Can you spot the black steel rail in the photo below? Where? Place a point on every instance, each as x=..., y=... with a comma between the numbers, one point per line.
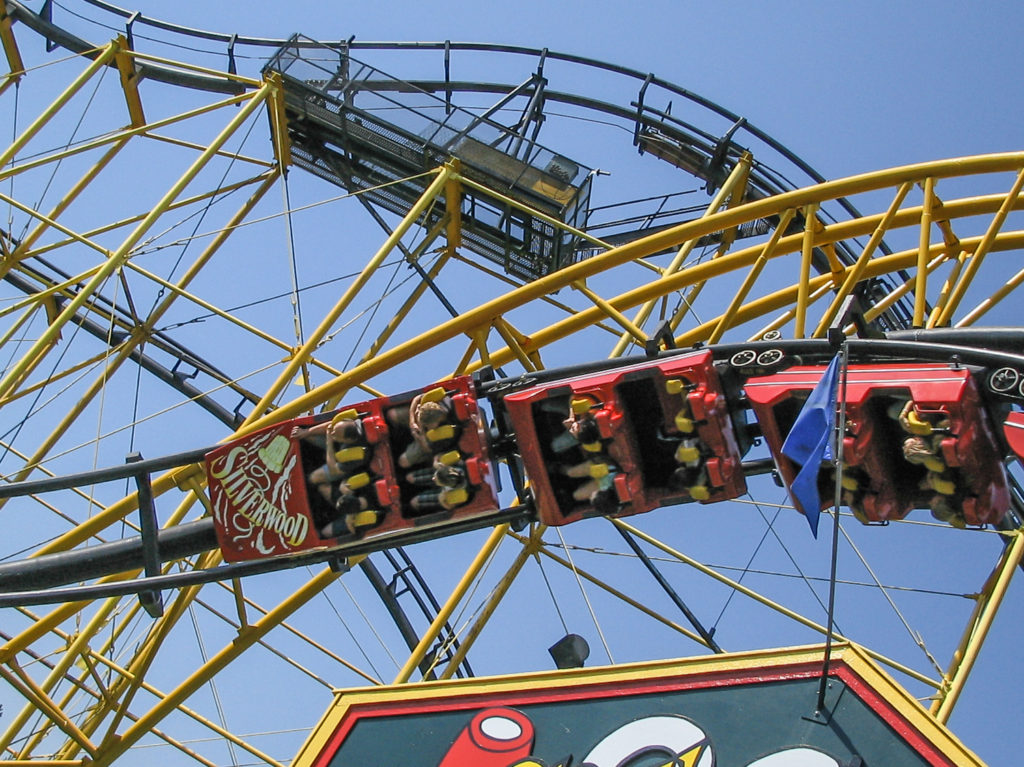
x=22, y=582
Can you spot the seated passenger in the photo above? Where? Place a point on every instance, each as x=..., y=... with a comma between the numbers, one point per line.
x=448, y=483
x=581, y=434
x=926, y=451
x=353, y=453
x=597, y=477
x=587, y=459
x=444, y=472
x=425, y=418
x=353, y=514
x=944, y=511
x=438, y=499
x=912, y=421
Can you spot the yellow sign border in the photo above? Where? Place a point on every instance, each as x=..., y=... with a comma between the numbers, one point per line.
x=774, y=661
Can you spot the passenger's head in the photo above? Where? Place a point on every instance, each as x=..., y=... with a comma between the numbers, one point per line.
x=450, y=476
x=431, y=415
x=605, y=501
x=348, y=431
x=347, y=503
x=586, y=430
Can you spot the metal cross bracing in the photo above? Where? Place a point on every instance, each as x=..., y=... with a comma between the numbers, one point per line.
x=98, y=677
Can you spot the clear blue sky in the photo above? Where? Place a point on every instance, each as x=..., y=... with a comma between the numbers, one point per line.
x=850, y=88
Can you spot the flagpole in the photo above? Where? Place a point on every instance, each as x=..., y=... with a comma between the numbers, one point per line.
x=837, y=463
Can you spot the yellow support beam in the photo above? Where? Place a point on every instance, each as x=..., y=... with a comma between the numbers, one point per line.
x=118, y=745
x=129, y=82
x=279, y=123
x=75, y=648
x=25, y=246
x=998, y=295
x=728, y=236
x=138, y=335
x=417, y=292
x=806, y=254
x=853, y=277
x=766, y=255
x=50, y=112
x=655, y=243
x=478, y=563
x=614, y=314
x=977, y=631
x=78, y=644
x=87, y=146
x=38, y=699
x=177, y=205
x=302, y=354
x=453, y=207
x=519, y=343
x=14, y=60
x=737, y=179
x=921, y=274
x=117, y=258
x=468, y=639
x=960, y=289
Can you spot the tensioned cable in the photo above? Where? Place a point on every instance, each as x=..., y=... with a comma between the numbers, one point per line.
x=14, y=138
x=213, y=686
x=480, y=266
x=387, y=291
x=260, y=301
x=301, y=208
x=554, y=601
x=915, y=635
x=157, y=414
x=779, y=574
x=293, y=267
x=348, y=629
x=373, y=630
x=31, y=409
x=586, y=599
x=744, y=570
x=35, y=408
x=289, y=628
x=200, y=215
x=457, y=624
x=330, y=336
x=771, y=529
x=217, y=737
x=905, y=521
x=101, y=405
x=56, y=165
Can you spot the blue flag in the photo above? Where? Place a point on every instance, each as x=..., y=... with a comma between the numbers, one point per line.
x=807, y=444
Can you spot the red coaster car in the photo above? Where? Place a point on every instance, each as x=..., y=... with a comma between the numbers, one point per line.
x=916, y=437
x=627, y=440
x=370, y=469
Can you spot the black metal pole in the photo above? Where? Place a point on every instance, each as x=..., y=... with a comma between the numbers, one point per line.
x=704, y=633
x=837, y=460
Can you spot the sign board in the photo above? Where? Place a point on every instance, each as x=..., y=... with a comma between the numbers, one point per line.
x=737, y=710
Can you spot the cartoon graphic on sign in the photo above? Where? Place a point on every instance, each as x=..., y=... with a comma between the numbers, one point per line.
x=675, y=738
x=797, y=757
x=495, y=737
x=504, y=737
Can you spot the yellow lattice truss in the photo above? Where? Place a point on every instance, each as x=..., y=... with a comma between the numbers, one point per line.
x=89, y=673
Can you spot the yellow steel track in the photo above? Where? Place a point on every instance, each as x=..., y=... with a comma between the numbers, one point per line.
x=96, y=679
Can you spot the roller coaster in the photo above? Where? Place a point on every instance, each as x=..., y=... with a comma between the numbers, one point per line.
x=158, y=303
x=596, y=440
